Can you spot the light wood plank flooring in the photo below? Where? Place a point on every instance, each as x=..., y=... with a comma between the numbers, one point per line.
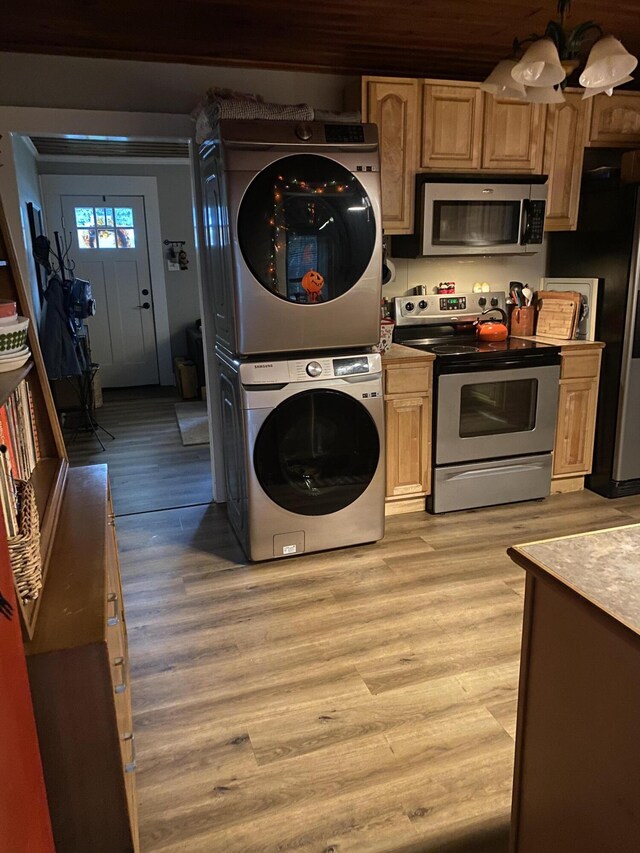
x=149, y=467
x=356, y=701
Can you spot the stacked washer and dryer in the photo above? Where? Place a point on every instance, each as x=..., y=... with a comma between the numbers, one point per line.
x=293, y=249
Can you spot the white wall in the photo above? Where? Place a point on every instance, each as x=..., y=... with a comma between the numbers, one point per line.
x=28, y=191
x=497, y=271
x=176, y=221
x=32, y=80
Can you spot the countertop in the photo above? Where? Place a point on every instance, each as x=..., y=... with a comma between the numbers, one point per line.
x=603, y=567
x=560, y=342
x=398, y=352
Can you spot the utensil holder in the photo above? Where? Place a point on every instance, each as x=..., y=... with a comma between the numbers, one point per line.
x=522, y=321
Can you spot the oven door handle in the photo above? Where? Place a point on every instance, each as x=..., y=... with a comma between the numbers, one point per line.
x=480, y=364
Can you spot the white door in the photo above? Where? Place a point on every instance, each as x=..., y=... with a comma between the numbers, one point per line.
x=108, y=236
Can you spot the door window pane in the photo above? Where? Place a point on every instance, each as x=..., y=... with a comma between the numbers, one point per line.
x=87, y=238
x=317, y=452
x=124, y=217
x=126, y=238
x=475, y=223
x=496, y=408
x=106, y=239
x=306, y=229
x=114, y=228
x=84, y=217
x=104, y=217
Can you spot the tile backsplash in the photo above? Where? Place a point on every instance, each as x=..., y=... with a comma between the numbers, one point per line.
x=496, y=270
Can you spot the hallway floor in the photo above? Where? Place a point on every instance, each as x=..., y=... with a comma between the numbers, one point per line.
x=149, y=467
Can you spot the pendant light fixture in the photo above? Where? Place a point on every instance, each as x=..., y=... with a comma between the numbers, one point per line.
x=538, y=73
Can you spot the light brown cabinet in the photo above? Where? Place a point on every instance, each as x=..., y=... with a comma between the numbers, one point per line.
x=464, y=128
x=408, y=376
x=513, y=135
x=393, y=105
x=452, y=126
x=564, y=144
x=615, y=120
x=80, y=682
x=577, y=407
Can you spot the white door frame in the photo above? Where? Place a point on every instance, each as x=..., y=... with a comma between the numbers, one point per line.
x=54, y=186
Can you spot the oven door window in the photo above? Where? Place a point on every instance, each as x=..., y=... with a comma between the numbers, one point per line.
x=476, y=223
x=317, y=452
x=306, y=229
x=497, y=408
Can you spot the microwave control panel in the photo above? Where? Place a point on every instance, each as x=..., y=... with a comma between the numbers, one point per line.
x=535, y=222
x=453, y=303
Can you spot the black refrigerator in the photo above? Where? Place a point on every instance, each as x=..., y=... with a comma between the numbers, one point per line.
x=606, y=246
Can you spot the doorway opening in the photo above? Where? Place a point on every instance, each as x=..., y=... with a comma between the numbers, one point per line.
x=119, y=206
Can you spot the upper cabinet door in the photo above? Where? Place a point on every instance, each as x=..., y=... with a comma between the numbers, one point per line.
x=563, y=157
x=615, y=120
x=513, y=135
x=393, y=105
x=451, y=126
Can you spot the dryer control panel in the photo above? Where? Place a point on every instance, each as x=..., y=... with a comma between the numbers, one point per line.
x=317, y=369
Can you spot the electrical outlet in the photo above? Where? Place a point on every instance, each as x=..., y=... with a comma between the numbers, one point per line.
x=173, y=266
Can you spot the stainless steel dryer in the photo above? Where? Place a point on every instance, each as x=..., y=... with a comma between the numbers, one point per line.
x=293, y=235
x=304, y=452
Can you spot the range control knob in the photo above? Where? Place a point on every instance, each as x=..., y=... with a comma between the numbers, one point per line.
x=494, y=302
x=314, y=368
x=303, y=132
x=422, y=304
x=409, y=306
x=482, y=301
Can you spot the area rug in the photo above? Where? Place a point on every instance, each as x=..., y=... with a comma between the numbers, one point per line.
x=193, y=422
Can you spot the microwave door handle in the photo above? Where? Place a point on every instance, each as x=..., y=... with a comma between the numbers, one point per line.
x=526, y=222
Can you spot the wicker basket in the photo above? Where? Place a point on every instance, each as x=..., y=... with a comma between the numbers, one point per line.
x=24, y=549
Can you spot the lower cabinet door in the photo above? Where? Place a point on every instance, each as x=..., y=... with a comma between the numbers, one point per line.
x=408, y=423
x=573, y=451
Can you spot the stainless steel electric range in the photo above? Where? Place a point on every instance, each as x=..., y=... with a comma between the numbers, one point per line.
x=495, y=403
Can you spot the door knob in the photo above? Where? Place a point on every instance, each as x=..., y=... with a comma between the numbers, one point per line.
x=144, y=305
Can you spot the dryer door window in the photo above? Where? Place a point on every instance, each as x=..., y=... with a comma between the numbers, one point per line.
x=306, y=229
x=317, y=452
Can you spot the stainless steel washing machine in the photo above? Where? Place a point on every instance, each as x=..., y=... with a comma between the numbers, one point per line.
x=293, y=235
x=304, y=452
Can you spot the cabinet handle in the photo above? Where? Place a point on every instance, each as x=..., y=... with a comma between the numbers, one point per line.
x=112, y=598
x=120, y=688
x=131, y=766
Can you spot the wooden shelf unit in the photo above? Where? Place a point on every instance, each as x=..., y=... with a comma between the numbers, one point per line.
x=49, y=476
x=76, y=637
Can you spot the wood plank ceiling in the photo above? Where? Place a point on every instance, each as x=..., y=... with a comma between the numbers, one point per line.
x=451, y=39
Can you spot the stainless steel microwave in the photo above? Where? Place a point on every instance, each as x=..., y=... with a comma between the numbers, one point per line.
x=475, y=215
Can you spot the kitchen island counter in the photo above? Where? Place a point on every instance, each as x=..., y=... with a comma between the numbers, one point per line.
x=603, y=567
x=577, y=770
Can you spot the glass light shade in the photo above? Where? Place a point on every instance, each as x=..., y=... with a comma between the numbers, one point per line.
x=608, y=62
x=608, y=90
x=540, y=66
x=500, y=82
x=544, y=95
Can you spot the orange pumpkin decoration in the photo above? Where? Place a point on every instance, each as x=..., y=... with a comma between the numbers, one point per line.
x=313, y=282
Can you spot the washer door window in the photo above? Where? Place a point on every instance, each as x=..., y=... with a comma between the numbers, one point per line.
x=306, y=229
x=317, y=452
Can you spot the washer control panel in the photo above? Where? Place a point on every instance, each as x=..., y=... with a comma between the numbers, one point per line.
x=309, y=369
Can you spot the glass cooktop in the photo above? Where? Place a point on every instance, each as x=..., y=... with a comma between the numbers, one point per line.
x=461, y=348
